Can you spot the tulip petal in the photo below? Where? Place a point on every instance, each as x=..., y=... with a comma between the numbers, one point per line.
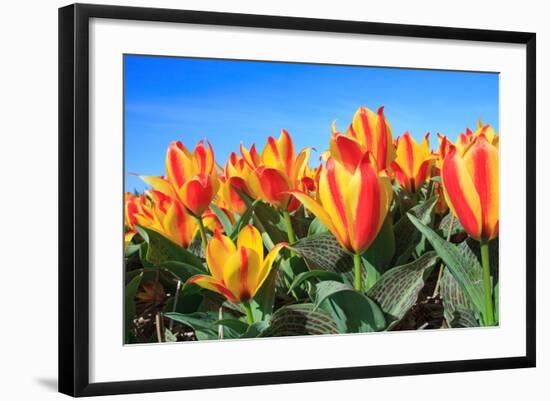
x=317, y=209
x=250, y=237
x=483, y=166
x=268, y=263
x=422, y=174
x=275, y=187
x=179, y=164
x=346, y=150
x=240, y=273
x=286, y=152
x=198, y=192
x=365, y=205
x=178, y=225
x=218, y=251
x=364, y=127
x=212, y=284
x=159, y=184
x=461, y=194
x=332, y=184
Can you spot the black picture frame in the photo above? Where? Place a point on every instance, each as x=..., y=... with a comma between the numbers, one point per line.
x=74, y=198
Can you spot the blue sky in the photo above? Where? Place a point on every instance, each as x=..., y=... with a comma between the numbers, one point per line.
x=229, y=102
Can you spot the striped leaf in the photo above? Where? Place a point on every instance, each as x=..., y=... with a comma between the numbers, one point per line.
x=322, y=251
x=462, y=264
x=396, y=291
x=299, y=320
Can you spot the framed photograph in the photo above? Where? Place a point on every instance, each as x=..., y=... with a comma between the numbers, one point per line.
x=251, y=199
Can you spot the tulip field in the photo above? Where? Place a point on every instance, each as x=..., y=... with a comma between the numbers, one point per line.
x=374, y=232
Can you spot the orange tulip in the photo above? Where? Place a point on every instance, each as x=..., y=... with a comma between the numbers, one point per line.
x=373, y=133
x=237, y=271
x=164, y=215
x=279, y=171
x=190, y=177
x=470, y=181
x=412, y=167
x=352, y=201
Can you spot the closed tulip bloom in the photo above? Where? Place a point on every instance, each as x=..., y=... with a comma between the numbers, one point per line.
x=352, y=201
x=471, y=185
x=466, y=139
x=237, y=271
x=412, y=166
x=373, y=134
x=190, y=177
x=236, y=173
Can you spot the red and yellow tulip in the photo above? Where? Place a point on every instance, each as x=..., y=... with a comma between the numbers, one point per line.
x=165, y=215
x=237, y=271
x=470, y=181
x=412, y=167
x=279, y=171
x=352, y=201
x=373, y=133
x=465, y=139
x=190, y=177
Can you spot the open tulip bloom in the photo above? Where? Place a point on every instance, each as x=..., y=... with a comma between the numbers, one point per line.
x=237, y=271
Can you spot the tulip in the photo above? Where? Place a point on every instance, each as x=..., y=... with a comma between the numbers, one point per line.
x=236, y=173
x=465, y=140
x=164, y=215
x=470, y=181
x=280, y=171
x=445, y=146
x=353, y=201
x=237, y=271
x=212, y=222
x=190, y=178
x=373, y=134
x=413, y=164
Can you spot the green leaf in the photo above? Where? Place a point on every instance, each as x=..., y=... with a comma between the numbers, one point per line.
x=464, y=266
x=323, y=252
x=272, y=222
x=262, y=304
x=203, y=323
x=464, y=318
x=407, y=236
x=299, y=320
x=256, y=329
x=129, y=304
x=222, y=217
x=382, y=250
x=316, y=227
x=452, y=297
x=238, y=325
x=445, y=223
x=181, y=270
x=244, y=220
x=290, y=269
x=397, y=290
x=353, y=312
x=318, y=274
x=161, y=249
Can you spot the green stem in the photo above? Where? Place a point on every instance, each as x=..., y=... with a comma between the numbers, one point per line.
x=289, y=229
x=203, y=232
x=357, y=265
x=489, y=313
x=249, y=314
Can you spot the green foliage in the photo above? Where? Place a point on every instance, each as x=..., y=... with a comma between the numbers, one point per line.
x=407, y=237
x=397, y=290
x=461, y=262
x=301, y=319
x=161, y=249
x=353, y=312
x=129, y=305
